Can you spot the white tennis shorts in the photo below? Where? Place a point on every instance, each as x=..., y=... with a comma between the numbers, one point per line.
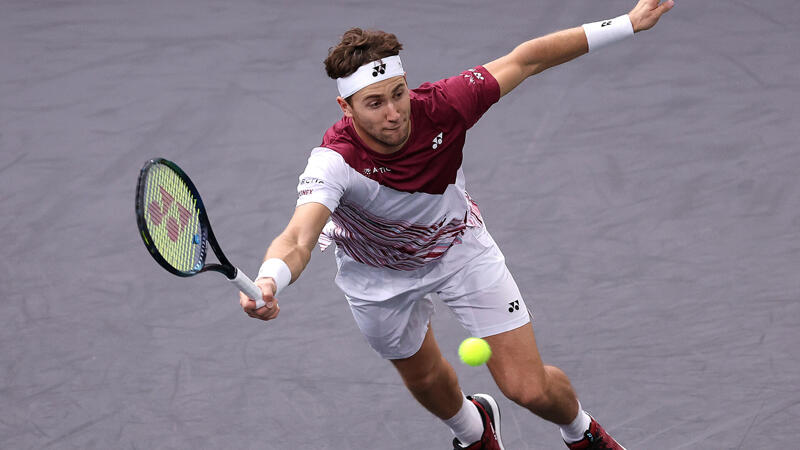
x=393, y=308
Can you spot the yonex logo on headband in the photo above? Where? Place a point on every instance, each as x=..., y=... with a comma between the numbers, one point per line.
x=370, y=73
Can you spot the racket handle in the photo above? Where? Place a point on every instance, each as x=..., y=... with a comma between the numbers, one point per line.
x=246, y=285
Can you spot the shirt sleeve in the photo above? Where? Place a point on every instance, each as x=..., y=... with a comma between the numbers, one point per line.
x=470, y=93
x=324, y=180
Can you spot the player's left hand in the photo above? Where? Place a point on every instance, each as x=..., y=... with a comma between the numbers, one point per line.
x=647, y=12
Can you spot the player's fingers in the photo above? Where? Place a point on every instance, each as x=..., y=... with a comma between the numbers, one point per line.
x=248, y=305
x=252, y=311
x=265, y=313
x=647, y=5
x=268, y=298
x=273, y=312
x=243, y=301
x=666, y=6
x=268, y=294
x=267, y=286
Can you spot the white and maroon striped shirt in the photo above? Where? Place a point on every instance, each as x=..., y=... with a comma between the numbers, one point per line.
x=405, y=209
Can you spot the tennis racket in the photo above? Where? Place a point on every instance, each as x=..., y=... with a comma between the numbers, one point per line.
x=175, y=229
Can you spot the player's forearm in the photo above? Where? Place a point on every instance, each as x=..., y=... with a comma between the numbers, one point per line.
x=292, y=251
x=544, y=52
x=536, y=55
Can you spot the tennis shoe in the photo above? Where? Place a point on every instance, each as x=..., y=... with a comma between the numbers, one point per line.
x=595, y=438
x=490, y=414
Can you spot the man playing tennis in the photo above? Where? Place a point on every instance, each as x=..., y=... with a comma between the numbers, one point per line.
x=386, y=186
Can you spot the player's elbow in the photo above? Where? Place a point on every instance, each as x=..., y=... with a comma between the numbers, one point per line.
x=532, y=58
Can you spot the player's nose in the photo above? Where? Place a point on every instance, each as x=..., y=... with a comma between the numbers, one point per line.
x=392, y=112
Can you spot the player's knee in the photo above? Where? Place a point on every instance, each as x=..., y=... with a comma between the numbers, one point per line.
x=529, y=395
x=433, y=378
x=420, y=382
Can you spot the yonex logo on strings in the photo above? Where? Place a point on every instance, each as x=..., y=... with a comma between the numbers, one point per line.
x=513, y=306
x=160, y=209
x=379, y=69
x=437, y=141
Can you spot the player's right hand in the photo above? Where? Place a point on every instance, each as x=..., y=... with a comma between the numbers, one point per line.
x=267, y=312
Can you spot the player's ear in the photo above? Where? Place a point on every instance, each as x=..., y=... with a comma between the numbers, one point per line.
x=347, y=110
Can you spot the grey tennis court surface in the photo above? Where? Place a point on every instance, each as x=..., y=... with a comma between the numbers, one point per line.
x=646, y=198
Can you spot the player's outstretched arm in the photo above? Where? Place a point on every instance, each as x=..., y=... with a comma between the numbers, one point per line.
x=293, y=246
x=536, y=55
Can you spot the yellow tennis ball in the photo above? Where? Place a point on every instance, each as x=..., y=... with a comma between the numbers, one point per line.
x=474, y=351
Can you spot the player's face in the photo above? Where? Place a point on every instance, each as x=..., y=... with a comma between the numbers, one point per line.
x=381, y=113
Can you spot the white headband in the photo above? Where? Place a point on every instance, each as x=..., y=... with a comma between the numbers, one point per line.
x=370, y=73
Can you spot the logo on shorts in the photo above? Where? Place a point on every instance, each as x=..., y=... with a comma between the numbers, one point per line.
x=513, y=306
x=379, y=69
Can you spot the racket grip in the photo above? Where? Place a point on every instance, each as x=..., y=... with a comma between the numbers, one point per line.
x=246, y=285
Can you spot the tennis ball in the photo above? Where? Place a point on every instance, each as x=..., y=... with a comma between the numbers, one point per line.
x=474, y=351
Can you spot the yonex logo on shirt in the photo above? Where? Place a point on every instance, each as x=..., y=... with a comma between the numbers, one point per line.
x=471, y=74
x=437, y=141
x=513, y=306
x=379, y=69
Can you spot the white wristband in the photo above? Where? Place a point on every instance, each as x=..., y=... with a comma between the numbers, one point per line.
x=600, y=34
x=276, y=269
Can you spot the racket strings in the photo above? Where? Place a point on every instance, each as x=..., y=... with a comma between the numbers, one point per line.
x=172, y=219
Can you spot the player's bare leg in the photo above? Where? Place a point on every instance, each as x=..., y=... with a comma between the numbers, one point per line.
x=475, y=421
x=520, y=374
x=544, y=390
x=431, y=379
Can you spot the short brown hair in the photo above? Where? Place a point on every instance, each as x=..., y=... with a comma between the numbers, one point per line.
x=358, y=47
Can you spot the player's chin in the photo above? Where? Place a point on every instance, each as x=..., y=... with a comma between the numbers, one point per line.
x=395, y=137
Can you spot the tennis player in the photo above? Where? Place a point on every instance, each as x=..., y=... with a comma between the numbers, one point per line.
x=386, y=186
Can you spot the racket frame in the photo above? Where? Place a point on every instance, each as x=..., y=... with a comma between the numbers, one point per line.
x=206, y=235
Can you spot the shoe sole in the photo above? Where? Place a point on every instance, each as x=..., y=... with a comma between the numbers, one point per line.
x=495, y=413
